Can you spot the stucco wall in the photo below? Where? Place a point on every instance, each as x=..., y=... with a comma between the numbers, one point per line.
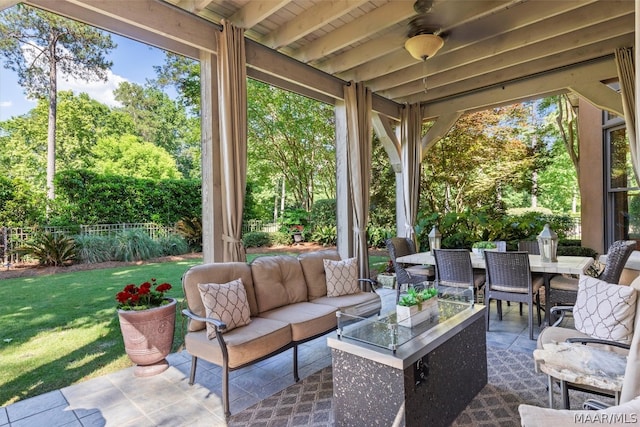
x=591, y=176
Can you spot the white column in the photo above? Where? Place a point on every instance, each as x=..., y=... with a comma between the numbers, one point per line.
x=210, y=147
x=344, y=210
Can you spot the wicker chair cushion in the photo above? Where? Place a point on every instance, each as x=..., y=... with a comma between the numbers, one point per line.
x=226, y=302
x=605, y=310
x=342, y=277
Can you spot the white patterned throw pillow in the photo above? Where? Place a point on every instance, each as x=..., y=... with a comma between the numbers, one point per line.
x=226, y=302
x=342, y=277
x=605, y=310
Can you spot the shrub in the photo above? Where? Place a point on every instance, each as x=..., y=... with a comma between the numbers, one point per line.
x=280, y=238
x=135, y=245
x=326, y=235
x=191, y=230
x=256, y=239
x=323, y=213
x=576, y=251
x=92, y=249
x=50, y=249
x=173, y=245
x=377, y=236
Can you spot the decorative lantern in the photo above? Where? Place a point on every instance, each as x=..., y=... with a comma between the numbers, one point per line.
x=435, y=238
x=548, y=243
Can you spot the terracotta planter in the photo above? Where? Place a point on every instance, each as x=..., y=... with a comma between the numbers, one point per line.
x=148, y=337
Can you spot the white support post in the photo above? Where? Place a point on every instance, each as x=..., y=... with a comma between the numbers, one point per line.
x=344, y=210
x=210, y=147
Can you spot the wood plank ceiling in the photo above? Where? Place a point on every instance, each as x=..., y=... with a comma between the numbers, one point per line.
x=490, y=46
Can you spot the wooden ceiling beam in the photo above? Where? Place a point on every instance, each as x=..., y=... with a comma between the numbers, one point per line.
x=567, y=47
x=255, y=12
x=366, y=26
x=557, y=81
x=308, y=21
x=601, y=96
x=556, y=26
x=110, y=21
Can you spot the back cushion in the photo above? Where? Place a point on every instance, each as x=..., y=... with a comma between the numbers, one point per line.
x=278, y=281
x=313, y=269
x=215, y=273
x=605, y=310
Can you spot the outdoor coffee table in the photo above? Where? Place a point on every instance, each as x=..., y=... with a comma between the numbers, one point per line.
x=426, y=375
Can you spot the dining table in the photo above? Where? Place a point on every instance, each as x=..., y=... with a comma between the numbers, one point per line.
x=564, y=265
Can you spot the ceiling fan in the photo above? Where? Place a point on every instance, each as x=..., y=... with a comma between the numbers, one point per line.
x=423, y=41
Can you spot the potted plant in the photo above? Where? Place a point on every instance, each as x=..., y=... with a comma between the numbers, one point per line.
x=478, y=248
x=387, y=278
x=147, y=321
x=417, y=306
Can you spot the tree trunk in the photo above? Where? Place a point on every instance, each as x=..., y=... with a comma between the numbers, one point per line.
x=51, y=131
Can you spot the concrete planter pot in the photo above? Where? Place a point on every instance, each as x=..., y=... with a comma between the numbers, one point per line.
x=416, y=314
x=148, y=337
x=387, y=280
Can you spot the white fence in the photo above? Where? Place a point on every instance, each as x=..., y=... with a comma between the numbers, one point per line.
x=258, y=225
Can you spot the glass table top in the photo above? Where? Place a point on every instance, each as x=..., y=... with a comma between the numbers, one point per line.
x=384, y=331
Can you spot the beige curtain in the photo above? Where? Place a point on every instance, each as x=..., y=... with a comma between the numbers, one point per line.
x=627, y=77
x=358, y=106
x=411, y=148
x=232, y=83
x=631, y=381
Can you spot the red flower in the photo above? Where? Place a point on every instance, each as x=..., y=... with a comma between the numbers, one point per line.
x=163, y=288
x=142, y=297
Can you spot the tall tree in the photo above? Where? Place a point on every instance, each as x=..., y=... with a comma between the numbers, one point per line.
x=36, y=44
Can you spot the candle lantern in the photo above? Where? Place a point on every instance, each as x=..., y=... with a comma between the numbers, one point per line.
x=548, y=244
x=435, y=238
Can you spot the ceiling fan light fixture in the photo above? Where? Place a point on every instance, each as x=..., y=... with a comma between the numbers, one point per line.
x=423, y=46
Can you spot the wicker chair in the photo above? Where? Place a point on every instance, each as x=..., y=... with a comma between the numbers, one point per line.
x=411, y=275
x=530, y=246
x=563, y=290
x=454, y=269
x=509, y=279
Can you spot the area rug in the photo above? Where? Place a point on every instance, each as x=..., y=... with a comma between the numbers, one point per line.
x=512, y=381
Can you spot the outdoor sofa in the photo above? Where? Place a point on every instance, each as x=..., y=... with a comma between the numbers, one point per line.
x=242, y=313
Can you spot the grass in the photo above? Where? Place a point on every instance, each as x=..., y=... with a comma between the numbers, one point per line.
x=61, y=329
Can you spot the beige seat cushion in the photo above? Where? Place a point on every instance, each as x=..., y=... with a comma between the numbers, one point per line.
x=244, y=344
x=359, y=304
x=306, y=319
x=621, y=415
x=564, y=283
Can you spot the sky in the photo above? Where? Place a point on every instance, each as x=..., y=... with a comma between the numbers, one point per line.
x=132, y=61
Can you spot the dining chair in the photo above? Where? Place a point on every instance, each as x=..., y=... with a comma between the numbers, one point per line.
x=454, y=269
x=530, y=246
x=509, y=279
x=410, y=275
x=563, y=290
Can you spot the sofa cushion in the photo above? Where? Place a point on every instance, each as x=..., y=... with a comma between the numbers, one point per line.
x=605, y=310
x=306, y=319
x=278, y=281
x=313, y=269
x=215, y=273
x=226, y=302
x=244, y=344
x=342, y=277
x=360, y=304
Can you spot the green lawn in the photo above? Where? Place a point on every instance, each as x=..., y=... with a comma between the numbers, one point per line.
x=60, y=329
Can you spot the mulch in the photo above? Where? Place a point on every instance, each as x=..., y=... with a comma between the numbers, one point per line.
x=33, y=269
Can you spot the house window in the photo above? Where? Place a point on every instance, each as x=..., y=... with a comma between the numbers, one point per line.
x=623, y=193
